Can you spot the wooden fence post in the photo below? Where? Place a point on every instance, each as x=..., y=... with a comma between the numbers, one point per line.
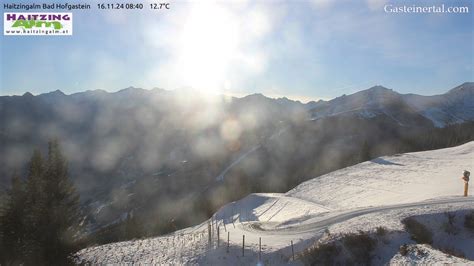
x=228, y=236
x=218, y=237
x=243, y=245
x=232, y=217
x=209, y=233
x=260, y=249
x=292, y=250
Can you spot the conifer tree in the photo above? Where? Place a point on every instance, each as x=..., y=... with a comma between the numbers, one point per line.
x=364, y=153
x=40, y=222
x=12, y=223
x=2, y=215
x=35, y=208
x=62, y=205
x=132, y=227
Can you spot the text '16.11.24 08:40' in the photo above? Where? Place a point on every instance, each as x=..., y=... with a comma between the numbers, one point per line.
x=154, y=6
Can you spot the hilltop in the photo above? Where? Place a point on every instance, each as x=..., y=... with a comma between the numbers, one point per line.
x=377, y=193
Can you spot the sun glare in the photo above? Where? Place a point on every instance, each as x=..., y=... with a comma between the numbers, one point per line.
x=207, y=45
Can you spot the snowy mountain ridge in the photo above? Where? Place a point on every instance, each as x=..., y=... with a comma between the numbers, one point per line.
x=455, y=106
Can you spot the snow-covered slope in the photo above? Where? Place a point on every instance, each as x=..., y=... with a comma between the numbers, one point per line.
x=425, y=255
x=384, y=189
x=404, y=178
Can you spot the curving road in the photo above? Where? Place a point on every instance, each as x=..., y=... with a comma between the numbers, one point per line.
x=337, y=217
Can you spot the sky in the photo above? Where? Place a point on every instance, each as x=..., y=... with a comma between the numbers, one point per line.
x=304, y=50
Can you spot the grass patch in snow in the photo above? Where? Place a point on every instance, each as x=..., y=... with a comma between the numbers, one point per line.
x=323, y=254
x=450, y=226
x=469, y=221
x=351, y=249
x=381, y=231
x=403, y=250
x=418, y=232
x=360, y=246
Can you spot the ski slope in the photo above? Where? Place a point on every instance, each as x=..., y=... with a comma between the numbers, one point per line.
x=404, y=178
x=387, y=188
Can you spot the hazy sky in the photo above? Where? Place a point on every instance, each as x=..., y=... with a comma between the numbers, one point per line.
x=300, y=49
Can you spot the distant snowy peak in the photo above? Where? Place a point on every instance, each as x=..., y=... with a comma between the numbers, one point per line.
x=369, y=103
x=467, y=87
x=375, y=97
x=455, y=106
x=56, y=93
x=379, y=90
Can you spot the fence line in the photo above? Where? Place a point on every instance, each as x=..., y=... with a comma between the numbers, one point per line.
x=195, y=243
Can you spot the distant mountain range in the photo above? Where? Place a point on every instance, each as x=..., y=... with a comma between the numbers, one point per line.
x=455, y=106
x=170, y=153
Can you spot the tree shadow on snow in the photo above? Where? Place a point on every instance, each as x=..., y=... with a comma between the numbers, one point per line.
x=384, y=162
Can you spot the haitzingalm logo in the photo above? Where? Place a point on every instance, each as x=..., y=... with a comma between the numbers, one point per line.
x=37, y=24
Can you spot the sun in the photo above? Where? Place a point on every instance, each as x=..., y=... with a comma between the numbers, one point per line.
x=207, y=45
